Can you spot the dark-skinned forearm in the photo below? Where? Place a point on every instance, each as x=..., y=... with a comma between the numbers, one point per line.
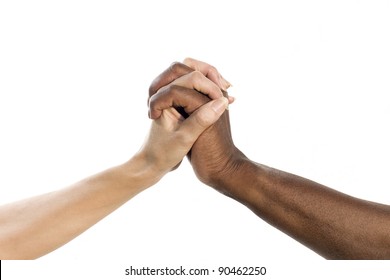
x=334, y=225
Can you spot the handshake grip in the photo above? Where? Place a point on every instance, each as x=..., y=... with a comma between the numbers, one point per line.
x=213, y=156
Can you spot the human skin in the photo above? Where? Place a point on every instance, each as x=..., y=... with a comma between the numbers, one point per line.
x=333, y=224
x=36, y=226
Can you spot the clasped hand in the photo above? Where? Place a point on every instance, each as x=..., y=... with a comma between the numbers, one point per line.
x=187, y=103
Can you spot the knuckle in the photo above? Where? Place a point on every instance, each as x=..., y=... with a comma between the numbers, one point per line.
x=171, y=91
x=164, y=95
x=174, y=88
x=213, y=70
x=197, y=76
x=175, y=67
x=188, y=60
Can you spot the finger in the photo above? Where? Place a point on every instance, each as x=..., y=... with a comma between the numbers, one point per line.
x=204, y=117
x=230, y=98
x=196, y=80
x=209, y=71
x=175, y=96
x=174, y=71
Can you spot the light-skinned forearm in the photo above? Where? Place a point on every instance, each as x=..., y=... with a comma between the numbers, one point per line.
x=333, y=224
x=38, y=225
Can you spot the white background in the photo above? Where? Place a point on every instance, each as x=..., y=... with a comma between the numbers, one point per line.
x=311, y=80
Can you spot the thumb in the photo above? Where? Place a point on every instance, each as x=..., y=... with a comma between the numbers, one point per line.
x=204, y=117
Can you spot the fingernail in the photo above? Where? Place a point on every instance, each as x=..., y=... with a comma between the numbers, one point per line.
x=220, y=105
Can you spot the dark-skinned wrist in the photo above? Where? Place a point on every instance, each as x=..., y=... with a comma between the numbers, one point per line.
x=229, y=180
